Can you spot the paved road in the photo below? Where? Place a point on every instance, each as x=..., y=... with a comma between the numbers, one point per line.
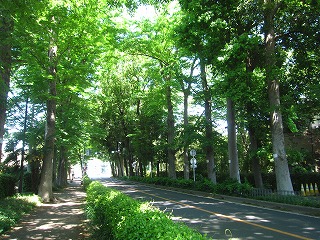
x=222, y=219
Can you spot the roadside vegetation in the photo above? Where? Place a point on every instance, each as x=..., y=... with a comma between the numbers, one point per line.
x=13, y=208
x=114, y=215
x=229, y=187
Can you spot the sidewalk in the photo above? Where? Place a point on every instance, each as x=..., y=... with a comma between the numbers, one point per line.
x=62, y=220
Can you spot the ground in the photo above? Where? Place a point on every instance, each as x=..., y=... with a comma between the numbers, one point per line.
x=64, y=219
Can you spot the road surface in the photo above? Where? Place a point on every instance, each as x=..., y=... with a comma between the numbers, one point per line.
x=222, y=219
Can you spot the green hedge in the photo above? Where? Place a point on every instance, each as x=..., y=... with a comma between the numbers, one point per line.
x=117, y=216
x=228, y=187
x=7, y=185
x=85, y=181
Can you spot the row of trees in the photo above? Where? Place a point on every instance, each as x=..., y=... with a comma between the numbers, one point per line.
x=94, y=74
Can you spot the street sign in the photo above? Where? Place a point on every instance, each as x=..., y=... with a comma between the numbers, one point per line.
x=193, y=162
x=193, y=152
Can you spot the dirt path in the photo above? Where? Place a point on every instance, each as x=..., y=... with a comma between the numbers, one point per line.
x=62, y=220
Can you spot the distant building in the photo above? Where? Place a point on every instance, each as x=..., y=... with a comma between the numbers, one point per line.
x=98, y=169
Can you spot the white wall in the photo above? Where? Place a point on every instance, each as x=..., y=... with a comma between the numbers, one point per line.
x=98, y=169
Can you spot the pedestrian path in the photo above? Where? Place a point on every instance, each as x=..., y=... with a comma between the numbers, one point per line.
x=62, y=220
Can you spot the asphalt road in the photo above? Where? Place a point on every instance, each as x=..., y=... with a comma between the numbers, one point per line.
x=221, y=219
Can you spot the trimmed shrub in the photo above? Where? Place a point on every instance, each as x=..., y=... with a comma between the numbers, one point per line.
x=117, y=216
x=7, y=185
x=86, y=181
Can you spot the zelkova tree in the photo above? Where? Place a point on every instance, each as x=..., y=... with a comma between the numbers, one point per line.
x=186, y=83
x=6, y=30
x=66, y=66
x=45, y=186
x=194, y=37
x=160, y=48
x=280, y=32
x=272, y=78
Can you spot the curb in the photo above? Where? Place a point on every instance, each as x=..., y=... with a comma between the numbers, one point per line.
x=310, y=211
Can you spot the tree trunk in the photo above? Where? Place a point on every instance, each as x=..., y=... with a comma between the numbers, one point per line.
x=158, y=168
x=253, y=148
x=283, y=179
x=208, y=145
x=171, y=132
x=23, y=147
x=45, y=187
x=6, y=28
x=186, y=169
x=113, y=169
x=186, y=141
x=232, y=142
x=62, y=168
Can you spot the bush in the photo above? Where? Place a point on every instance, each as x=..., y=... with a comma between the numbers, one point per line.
x=86, y=181
x=7, y=185
x=233, y=187
x=117, y=216
x=228, y=187
x=12, y=208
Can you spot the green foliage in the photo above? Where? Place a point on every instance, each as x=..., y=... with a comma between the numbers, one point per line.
x=12, y=208
x=292, y=199
x=232, y=187
x=7, y=185
x=86, y=181
x=228, y=187
x=117, y=216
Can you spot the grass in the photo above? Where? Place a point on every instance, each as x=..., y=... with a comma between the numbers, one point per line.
x=13, y=208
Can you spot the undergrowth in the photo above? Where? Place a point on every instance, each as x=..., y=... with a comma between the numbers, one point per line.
x=12, y=209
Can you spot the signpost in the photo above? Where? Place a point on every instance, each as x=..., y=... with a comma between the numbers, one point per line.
x=193, y=162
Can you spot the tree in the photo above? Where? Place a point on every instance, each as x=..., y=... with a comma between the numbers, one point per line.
x=160, y=48
x=6, y=30
x=281, y=164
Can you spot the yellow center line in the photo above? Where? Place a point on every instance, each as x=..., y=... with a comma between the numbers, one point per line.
x=229, y=217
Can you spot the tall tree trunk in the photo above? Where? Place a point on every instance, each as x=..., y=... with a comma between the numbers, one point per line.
x=158, y=168
x=23, y=147
x=232, y=142
x=208, y=125
x=186, y=86
x=253, y=149
x=45, y=187
x=62, y=168
x=6, y=29
x=186, y=169
x=279, y=154
x=171, y=133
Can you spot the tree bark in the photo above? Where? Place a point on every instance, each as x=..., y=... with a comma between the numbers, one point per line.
x=186, y=141
x=62, y=168
x=171, y=133
x=208, y=145
x=45, y=187
x=186, y=169
x=6, y=29
x=20, y=188
x=253, y=148
x=283, y=179
x=232, y=142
